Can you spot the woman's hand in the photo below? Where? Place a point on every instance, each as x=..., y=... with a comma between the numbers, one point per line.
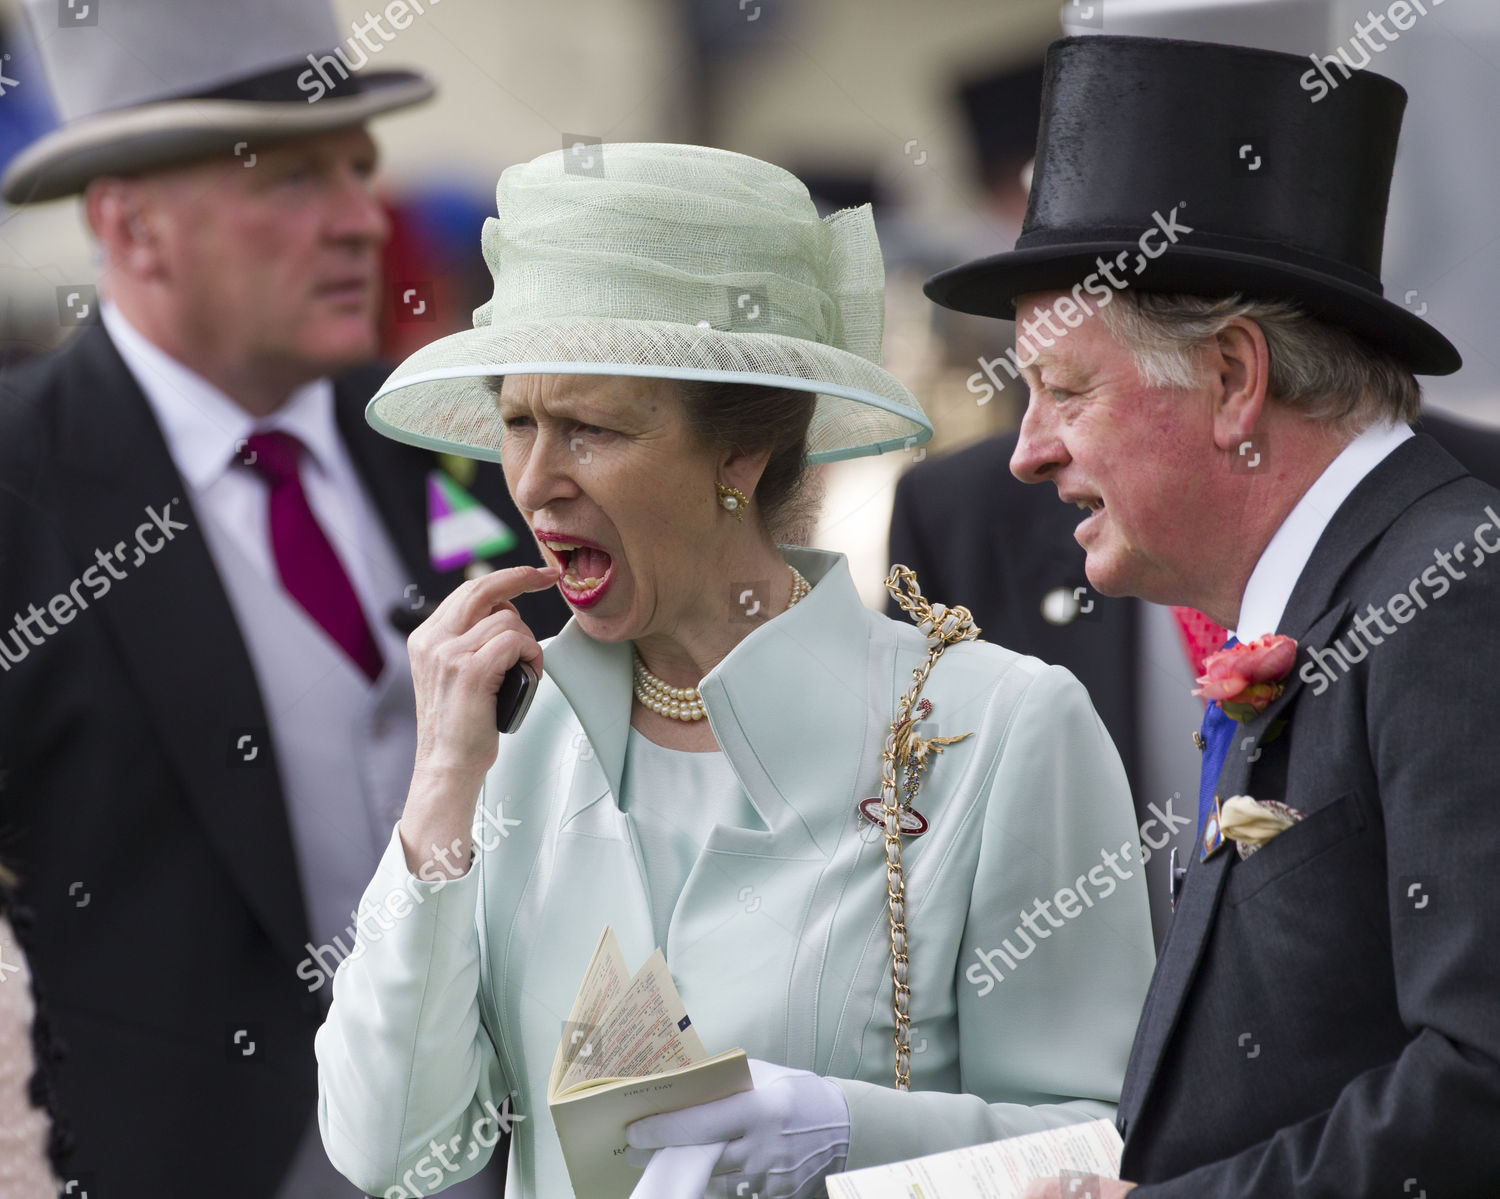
x=459, y=655
x=778, y=1141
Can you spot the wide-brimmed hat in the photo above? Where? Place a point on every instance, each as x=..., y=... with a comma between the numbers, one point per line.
x=1258, y=177
x=665, y=261
x=146, y=84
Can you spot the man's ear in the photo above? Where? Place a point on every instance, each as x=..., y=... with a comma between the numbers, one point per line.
x=123, y=218
x=1240, y=369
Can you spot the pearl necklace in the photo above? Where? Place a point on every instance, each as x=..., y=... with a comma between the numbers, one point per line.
x=684, y=703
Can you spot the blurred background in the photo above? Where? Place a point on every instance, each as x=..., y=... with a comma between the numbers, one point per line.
x=927, y=110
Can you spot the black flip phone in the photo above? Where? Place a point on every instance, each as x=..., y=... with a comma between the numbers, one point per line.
x=517, y=689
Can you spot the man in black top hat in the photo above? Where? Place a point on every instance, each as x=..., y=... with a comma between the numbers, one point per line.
x=206, y=712
x=1217, y=381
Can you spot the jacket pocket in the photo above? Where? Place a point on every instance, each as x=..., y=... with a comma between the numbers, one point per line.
x=1307, y=839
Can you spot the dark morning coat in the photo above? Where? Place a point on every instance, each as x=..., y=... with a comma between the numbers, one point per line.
x=1323, y=1021
x=117, y=784
x=1314, y=1029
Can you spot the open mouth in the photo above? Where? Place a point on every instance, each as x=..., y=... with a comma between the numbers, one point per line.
x=1091, y=504
x=587, y=569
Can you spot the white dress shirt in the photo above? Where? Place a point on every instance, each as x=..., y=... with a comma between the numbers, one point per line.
x=1285, y=556
x=204, y=431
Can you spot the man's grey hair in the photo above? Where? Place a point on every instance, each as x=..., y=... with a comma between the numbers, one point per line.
x=1317, y=369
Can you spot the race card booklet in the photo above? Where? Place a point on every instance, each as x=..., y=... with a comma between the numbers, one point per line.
x=1074, y=1154
x=628, y=1051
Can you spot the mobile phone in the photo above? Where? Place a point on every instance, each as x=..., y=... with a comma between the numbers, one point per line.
x=517, y=690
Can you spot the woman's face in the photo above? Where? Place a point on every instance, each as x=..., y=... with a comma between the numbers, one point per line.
x=620, y=495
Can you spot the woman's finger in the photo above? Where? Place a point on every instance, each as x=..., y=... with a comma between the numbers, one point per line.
x=467, y=603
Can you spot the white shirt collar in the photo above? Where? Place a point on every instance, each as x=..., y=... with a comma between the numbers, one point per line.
x=1283, y=560
x=202, y=426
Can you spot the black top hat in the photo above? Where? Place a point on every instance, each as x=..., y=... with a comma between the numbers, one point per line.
x=1285, y=197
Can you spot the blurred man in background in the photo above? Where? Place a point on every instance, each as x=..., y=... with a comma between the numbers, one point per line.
x=210, y=566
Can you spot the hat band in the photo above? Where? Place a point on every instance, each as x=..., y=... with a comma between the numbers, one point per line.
x=1201, y=239
x=718, y=313
x=277, y=86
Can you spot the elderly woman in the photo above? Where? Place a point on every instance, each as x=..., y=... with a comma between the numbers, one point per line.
x=674, y=336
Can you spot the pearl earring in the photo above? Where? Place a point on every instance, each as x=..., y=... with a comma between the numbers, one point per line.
x=733, y=500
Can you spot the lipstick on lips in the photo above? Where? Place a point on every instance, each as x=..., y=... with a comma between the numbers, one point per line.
x=587, y=568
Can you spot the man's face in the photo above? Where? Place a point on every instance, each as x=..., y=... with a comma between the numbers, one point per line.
x=1139, y=458
x=273, y=265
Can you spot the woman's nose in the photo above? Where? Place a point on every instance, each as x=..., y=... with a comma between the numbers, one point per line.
x=545, y=474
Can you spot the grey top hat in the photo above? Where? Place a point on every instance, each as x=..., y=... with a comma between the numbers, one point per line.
x=142, y=84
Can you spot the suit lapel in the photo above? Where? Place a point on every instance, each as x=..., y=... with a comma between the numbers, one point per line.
x=173, y=626
x=1313, y=615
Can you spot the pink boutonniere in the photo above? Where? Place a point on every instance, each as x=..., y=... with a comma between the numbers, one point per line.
x=1244, y=679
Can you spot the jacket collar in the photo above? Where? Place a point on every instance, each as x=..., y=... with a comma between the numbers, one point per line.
x=813, y=659
x=1291, y=547
x=203, y=427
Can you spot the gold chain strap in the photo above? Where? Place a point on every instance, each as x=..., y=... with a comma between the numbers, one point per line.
x=943, y=627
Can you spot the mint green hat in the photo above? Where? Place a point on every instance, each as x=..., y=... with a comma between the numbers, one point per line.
x=665, y=261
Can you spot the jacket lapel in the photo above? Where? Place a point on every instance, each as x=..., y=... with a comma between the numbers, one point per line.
x=173, y=626
x=1313, y=615
x=815, y=658
x=595, y=679
x=791, y=789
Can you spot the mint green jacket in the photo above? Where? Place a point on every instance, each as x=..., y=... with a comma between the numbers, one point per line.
x=1023, y=1002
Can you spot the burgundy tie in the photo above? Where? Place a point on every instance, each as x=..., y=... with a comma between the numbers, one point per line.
x=310, y=569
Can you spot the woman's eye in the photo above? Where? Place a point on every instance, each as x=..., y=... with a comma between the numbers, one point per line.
x=515, y=422
x=592, y=429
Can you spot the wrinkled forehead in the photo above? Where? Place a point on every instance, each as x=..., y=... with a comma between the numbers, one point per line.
x=591, y=399
x=308, y=151
x=1058, y=334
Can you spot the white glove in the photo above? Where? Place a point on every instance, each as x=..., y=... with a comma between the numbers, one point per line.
x=677, y=1173
x=778, y=1141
